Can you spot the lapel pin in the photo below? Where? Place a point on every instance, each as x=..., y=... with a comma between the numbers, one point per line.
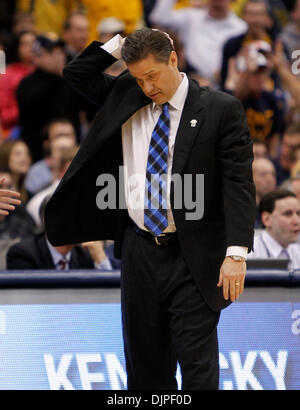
x=193, y=123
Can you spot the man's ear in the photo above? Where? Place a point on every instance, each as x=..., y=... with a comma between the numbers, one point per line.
x=266, y=218
x=173, y=59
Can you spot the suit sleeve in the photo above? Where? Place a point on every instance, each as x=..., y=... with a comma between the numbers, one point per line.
x=85, y=73
x=235, y=157
x=18, y=258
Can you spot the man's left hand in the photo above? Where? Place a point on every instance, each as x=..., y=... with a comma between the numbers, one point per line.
x=232, y=278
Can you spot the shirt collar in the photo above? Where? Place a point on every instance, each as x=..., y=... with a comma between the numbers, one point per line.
x=56, y=256
x=273, y=246
x=178, y=99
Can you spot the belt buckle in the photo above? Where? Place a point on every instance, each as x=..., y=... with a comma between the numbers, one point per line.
x=156, y=240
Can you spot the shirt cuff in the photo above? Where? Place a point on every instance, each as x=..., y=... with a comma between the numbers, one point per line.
x=114, y=46
x=105, y=265
x=237, y=250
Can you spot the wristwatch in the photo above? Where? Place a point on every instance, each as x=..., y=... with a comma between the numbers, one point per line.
x=237, y=258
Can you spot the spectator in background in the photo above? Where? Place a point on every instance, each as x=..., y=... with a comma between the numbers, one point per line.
x=129, y=11
x=38, y=253
x=40, y=175
x=109, y=27
x=76, y=34
x=203, y=32
x=48, y=15
x=290, y=35
x=259, y=149
x=183, y=65
x=293, y=183
x=295, y=178
x=15, y=157
x=23, y=21
x=288, y=76
x=63, y=151
x=15, y=72
x=264, y=108
x=17, y=224
x=264, y=177
x=280, y=214
x=255, y=13
x=284, y=161
x=45, y=94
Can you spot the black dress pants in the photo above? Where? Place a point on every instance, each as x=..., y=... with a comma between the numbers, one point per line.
x=165, y=319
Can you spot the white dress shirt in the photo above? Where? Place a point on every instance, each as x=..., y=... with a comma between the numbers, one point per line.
x=203, y=36
x=265, y=246
x=136, y=135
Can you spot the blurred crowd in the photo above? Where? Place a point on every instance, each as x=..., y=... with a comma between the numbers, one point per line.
x=249, y=48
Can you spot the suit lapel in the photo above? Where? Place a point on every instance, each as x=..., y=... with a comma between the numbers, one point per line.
x=189, y=127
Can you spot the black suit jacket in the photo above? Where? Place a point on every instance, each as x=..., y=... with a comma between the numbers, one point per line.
x=33, y=253
x=218, y=147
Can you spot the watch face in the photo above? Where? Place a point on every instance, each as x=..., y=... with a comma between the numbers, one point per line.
x=237, y=258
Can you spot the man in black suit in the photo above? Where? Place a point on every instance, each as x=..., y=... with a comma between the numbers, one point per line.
x=37, y=253
x=173, y=270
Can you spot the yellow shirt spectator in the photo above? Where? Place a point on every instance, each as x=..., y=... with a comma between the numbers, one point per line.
x=130, y=11
x=49, y=15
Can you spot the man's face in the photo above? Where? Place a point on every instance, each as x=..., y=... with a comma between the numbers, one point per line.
x=59, y=129
x=78, y=34
x=259, y=150
x=25, y=50
x=218, y=8
x=255, y=14
x=283, y=223
x=257, y=82
x=51, y=61
x=264, y=176
x=57, y=146
x=157, y=79
x=288, y=142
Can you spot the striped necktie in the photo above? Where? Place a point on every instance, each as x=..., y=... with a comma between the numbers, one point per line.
x=61, y=265
x=155, y=213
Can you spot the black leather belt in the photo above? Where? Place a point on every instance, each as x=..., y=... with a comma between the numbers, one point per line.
x=162, y=239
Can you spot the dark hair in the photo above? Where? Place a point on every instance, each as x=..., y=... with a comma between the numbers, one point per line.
x=13, y=50
x=145, y=41
x=58, y=120
x=267, y=203
x=67, y=24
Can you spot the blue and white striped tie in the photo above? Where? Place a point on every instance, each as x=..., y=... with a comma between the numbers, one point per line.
x=155, y=213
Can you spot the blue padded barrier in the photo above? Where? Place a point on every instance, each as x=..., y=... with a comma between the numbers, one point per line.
x=54, y=278
x=88, y=278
